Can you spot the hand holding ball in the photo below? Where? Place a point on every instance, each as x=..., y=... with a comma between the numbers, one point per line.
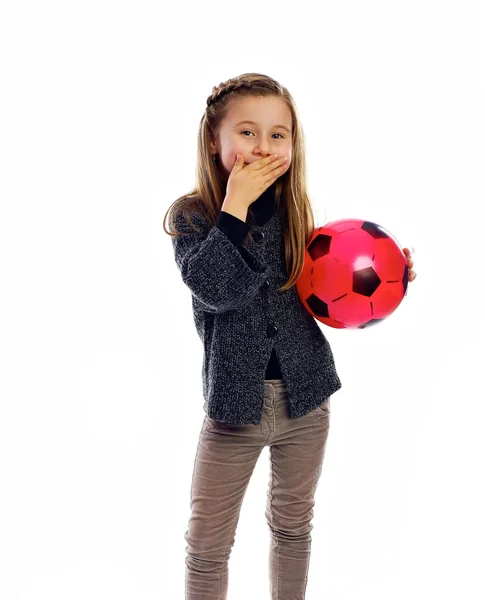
x=354, y=275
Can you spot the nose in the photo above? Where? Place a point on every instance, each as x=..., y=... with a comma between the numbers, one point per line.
x=262, y=154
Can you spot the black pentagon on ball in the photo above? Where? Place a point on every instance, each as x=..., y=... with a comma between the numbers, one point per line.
x=370, y=323
x=376, y=231
x=365, y=281
x=317, y=306
x=405, y=278
x=320, y=246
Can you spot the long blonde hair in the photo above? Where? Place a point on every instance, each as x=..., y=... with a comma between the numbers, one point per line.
x=290, y=188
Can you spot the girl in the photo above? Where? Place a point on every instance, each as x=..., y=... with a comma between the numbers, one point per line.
x=268, y=371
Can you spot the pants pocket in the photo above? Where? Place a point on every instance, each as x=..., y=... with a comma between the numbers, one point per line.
x=322, y=412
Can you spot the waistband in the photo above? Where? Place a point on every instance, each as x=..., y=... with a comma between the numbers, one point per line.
x=275, y=382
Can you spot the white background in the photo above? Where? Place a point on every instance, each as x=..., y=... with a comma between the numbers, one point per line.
x=101, y=393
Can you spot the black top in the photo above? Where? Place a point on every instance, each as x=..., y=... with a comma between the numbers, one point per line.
x=240, y=318
x=259, y=213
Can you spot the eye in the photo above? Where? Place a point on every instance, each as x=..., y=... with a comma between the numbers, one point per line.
x=247, y=130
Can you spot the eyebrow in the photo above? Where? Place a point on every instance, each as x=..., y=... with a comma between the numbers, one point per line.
x=253, y=123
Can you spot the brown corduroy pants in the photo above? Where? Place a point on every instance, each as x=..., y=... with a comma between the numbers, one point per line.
x=225, y=459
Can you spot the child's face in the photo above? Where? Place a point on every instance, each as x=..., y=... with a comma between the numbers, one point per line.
x=254, y=141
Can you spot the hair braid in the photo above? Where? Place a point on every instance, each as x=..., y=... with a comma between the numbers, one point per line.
x=231, y=85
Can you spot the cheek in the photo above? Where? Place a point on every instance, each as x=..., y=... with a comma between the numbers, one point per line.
x=233, y=149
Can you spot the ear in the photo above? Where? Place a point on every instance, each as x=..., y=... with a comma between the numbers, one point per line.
x=213, y=148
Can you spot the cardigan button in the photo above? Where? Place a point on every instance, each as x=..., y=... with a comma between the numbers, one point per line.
x=271, y=330
x=266, y=284
x=257, y=236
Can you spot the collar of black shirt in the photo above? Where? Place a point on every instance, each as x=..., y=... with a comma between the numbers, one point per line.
x=262, y=209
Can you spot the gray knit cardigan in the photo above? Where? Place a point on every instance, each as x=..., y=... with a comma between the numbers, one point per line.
x=239, y=317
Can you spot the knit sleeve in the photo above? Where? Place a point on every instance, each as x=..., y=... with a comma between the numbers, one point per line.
x=219, y=274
